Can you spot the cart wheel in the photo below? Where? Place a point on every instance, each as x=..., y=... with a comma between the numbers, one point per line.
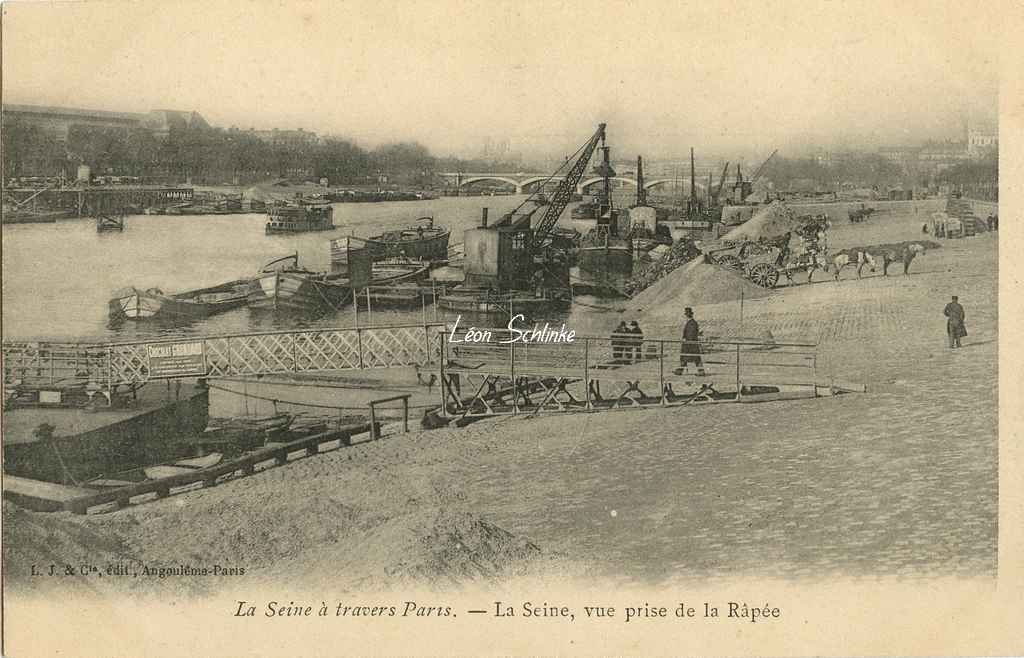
x=731, y=262
x=764, y=275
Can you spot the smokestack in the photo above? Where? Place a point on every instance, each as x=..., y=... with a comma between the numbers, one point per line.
x=693, y=177
x=483, y=218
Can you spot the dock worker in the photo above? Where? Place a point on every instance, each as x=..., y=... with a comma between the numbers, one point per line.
x=537, y=281
x=955, y=327
x=689, y=350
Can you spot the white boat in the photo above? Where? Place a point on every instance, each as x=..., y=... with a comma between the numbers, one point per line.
x=183, y=466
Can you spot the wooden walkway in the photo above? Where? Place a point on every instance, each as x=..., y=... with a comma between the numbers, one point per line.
x=41, y=496
x=50, y=497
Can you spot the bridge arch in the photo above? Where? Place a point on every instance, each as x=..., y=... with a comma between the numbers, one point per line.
x=536, y=179
x=503, y=179
x=582, y=187
x=662, y=181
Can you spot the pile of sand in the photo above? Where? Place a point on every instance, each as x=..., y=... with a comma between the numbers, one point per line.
x=356, y=525
x=436, y=547
x=694, y=284
x=771, y=222
x=42, y=539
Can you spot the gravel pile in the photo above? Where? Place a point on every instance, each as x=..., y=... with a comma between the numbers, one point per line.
x=682, y=252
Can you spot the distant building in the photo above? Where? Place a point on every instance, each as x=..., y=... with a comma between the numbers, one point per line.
x=292, y=138
x=937, y=156
x=898, y=154
x=161, y=122
x=59, y=122
x=982, y=140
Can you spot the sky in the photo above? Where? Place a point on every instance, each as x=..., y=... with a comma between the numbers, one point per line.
x=725, y=77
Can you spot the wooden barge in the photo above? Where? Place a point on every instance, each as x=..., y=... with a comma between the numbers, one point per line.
x=423, y=241
x=152, y=304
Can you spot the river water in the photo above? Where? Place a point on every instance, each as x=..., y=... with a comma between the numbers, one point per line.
x=58, y=278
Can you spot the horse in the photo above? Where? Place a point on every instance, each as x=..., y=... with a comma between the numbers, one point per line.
x=818, y=261
x=846, y=257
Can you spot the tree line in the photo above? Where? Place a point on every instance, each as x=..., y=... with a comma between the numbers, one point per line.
x=206, y=155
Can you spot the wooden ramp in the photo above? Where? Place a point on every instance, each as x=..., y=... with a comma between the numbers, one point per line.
x=40, y=496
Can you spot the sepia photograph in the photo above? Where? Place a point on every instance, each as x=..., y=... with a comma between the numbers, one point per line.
x=603, y=327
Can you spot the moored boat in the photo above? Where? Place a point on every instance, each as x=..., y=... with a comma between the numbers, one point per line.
x=284, y=286
x=392, y=271
x=135, y=304
x=182, y=466
x=299, y=217
x=19, y=216
x=105, y=222
x=423, y=241
x=475, y=300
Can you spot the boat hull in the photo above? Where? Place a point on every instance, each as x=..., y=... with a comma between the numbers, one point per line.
x=433, y=246
x=135, y=304
x=481, y=302
x=297, y=292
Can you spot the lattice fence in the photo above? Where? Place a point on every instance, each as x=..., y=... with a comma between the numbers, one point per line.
x=243, y=354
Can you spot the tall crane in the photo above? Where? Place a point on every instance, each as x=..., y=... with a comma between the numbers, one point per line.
x=721, y=182
x=561, y=197
x=760, y=170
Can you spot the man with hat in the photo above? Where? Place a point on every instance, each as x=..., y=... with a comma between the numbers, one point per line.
x=636, y=341
x=955, y=327
x=690, y=348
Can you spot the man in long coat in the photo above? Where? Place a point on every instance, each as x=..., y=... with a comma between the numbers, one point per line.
x=955, y=327
x=689, y=351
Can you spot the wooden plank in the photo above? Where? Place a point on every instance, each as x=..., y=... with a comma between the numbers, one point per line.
x=39, y=495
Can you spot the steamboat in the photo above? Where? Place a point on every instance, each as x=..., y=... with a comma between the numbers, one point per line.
x=299, y=216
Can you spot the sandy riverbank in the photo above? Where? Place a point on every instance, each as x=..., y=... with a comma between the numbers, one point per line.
x=901, y=480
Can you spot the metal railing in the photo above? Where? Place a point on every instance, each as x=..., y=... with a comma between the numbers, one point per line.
x=646, y=371
x=114, y=364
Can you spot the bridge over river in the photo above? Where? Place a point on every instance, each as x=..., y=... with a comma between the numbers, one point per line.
x=524, y=182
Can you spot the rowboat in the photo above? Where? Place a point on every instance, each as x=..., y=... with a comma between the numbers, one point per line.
x=182, y=466
x=423, y=241
x=106, y=222
x=134, y=304
x=283, y=286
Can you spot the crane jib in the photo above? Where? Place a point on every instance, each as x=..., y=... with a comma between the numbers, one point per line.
x=566, y=187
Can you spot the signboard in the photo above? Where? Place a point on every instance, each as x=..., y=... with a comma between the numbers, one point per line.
x=177, y=359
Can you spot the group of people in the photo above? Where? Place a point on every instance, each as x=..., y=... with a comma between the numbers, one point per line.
x=627, y=343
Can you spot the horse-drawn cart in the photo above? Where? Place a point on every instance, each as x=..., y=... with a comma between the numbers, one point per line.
x=764, y=260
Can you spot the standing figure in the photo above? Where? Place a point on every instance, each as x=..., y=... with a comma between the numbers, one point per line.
x=690, y=348
x=619, y=337
x=955, y=327
x=537, y=281
x=637, y=340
